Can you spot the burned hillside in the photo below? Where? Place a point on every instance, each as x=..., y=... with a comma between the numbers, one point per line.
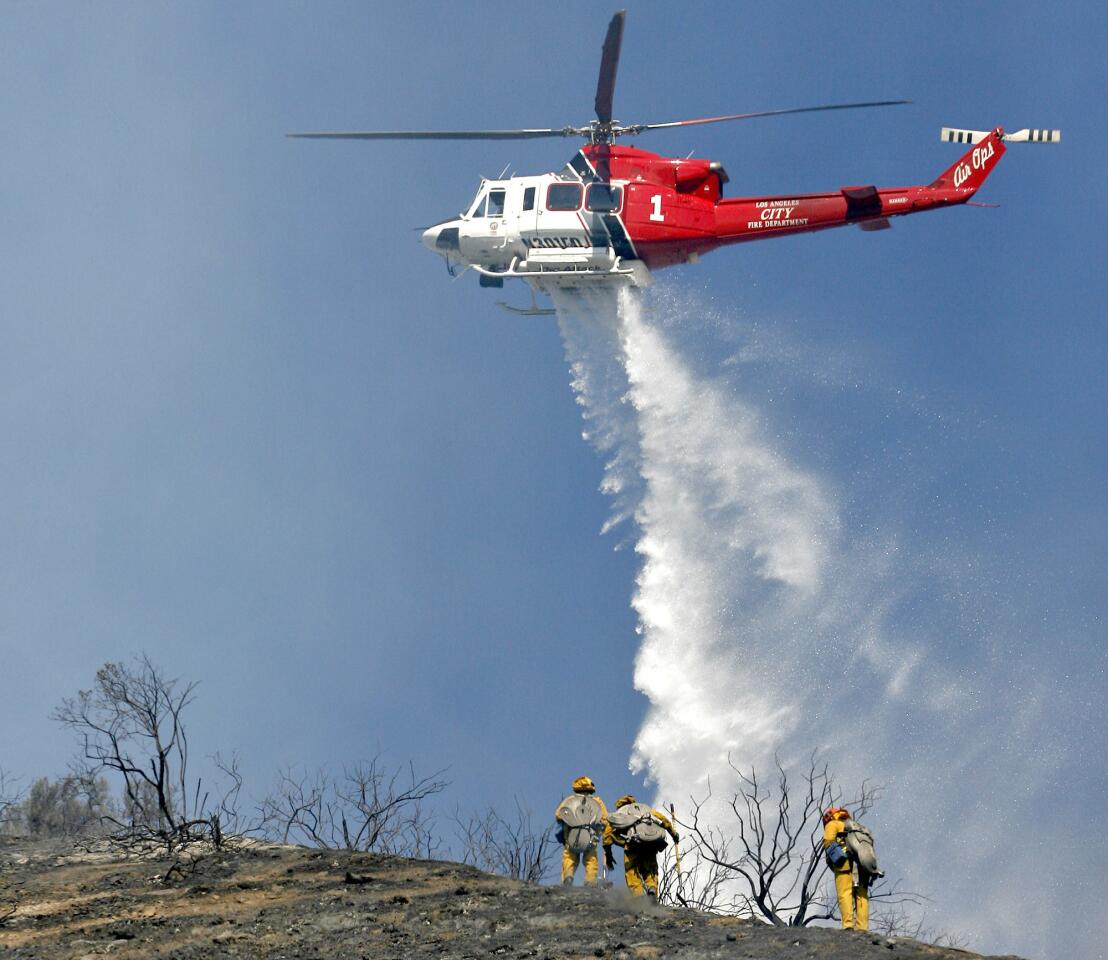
x=66, y=901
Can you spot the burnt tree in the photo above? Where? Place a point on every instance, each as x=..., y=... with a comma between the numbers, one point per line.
x=764, y=857
x=131, y=722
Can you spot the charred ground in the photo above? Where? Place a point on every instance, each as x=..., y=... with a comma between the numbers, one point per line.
x=266, y=901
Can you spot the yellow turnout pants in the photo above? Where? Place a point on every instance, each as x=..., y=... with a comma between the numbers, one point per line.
x=640, y=869
x=570, y=861
x=853, y=901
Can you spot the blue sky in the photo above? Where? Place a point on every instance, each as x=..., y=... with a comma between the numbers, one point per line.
x=252, y=428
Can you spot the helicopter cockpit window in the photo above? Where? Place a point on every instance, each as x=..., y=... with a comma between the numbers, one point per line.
x=489, y=204
x=529, y=198
x=563, y=196
x=603, y=198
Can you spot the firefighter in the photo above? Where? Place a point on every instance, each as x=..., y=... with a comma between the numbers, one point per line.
x=851, y=883
x=582, y=820
x=637, y=831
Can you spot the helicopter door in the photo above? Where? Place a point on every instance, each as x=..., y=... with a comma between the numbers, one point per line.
x=528, y=222
x=481, y=235
x=557, y=216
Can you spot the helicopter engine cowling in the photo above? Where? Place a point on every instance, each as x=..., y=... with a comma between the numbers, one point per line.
x=704, y=177
x=690, y=174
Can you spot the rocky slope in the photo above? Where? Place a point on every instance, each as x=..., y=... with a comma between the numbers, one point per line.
x=274, y=902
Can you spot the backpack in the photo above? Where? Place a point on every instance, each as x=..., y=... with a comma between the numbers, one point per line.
x=836, y=855
x=634, y=825
x=582, y=822
x=859, y=841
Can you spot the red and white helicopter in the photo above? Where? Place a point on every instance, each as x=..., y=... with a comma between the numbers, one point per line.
x=615, y=213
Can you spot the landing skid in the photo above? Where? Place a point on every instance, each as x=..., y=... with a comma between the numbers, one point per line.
x=533, y=311
x=566, y=273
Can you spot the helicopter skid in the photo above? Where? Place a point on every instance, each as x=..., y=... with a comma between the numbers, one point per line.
x=568, y=271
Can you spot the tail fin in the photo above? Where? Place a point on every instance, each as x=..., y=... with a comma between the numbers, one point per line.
x=976, y=164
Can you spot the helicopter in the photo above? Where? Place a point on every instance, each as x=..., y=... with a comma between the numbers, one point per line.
x=616, y=213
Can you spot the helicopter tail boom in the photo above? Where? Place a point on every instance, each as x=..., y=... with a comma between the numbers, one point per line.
x=742, y=219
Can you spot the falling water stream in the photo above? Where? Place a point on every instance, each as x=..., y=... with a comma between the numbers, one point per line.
x=765, y=618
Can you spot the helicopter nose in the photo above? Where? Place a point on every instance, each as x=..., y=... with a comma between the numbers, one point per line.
x=442, y=238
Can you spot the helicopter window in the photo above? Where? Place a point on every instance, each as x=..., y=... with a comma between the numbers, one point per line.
x=603, y=198
x=479, y=206
x=563, y=196
x=529, y=198
x=496, y=203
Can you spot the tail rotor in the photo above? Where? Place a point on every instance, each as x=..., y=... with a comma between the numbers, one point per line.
x=955, y=135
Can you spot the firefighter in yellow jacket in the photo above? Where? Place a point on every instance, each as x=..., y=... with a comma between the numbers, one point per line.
x=851, y=883
x=640, y=860
x=580, y=840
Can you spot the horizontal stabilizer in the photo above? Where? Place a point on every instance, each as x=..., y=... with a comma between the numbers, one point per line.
x=881, y=223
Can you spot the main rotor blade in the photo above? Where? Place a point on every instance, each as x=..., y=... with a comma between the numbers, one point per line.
x=444, y=134
x=639, y=127
x=609, y=62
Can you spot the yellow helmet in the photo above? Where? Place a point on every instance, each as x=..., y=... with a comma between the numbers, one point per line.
x=624, y=800
x=584, y=785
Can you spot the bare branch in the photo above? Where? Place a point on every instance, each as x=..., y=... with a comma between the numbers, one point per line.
x=368, y=808
x=899, y=921
x=10, y=797
x=512, y=848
